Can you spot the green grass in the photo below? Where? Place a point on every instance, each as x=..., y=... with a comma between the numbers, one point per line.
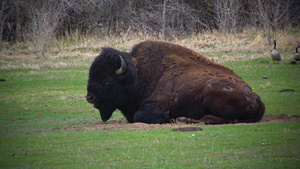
x=231, y=146
x=36, y=106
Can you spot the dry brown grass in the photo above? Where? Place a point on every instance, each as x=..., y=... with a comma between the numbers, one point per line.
x=80, y=51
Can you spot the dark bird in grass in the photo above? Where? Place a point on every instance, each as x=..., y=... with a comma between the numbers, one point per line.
x=297, y=55
x=274, y=54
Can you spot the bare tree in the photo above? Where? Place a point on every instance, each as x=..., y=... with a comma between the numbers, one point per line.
x=272, y=15
x=164, y=21
x=45, y=17
x=5, y=11
x=221, y=15
x=229, y=15
x=169, y=18
x=18, y=20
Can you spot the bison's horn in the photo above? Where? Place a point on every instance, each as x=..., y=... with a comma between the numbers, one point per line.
x=122, y=69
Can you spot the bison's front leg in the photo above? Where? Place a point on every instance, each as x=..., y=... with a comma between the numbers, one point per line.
x=151, y=114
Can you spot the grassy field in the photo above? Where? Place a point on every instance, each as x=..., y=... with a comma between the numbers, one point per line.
x=43, y=99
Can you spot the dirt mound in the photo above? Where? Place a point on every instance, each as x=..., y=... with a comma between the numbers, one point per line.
x=123, y=125
x=280, y=118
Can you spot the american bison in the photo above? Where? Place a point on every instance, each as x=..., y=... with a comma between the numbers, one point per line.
x=158, y=81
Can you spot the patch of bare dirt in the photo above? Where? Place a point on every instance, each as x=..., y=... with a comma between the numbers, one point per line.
x=126, y=126
x=287, y=90
x=185, y=129
x=122, y=125
x=280, y=118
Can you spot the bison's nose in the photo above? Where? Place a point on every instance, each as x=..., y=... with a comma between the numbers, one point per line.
x=90, y=98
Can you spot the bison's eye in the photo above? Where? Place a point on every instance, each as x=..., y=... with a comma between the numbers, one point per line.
x=109, y=85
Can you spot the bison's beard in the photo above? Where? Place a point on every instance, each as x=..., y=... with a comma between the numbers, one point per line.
x=106, y=112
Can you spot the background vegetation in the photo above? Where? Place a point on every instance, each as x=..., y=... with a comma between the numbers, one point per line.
x=41, y=21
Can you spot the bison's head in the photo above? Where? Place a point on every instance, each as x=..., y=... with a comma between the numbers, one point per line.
x=107, y=77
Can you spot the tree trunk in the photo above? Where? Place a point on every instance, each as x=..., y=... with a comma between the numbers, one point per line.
x=18, y=22
x=164, y=21
x=1, y=24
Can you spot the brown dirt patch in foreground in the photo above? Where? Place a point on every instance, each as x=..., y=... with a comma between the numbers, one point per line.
x=280, y=118
x=113, y=125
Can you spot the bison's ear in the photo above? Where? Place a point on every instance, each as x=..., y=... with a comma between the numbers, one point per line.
x=122, y=68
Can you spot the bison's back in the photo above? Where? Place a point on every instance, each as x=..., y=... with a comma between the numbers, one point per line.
x=154, y=57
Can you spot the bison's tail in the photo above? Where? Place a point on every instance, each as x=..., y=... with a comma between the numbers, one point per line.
x=257, y=114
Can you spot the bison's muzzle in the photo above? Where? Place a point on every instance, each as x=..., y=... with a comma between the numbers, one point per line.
x=92, y=99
